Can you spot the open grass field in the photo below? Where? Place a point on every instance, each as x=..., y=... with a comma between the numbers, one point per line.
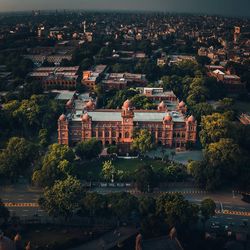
x=92, y=169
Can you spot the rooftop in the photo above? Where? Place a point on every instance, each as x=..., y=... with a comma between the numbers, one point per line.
x=64, y=95
x=139, y=116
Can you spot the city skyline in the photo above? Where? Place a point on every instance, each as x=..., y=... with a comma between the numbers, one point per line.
x=222, y=7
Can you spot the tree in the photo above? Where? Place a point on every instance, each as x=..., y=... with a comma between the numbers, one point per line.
x=108, y=171
x=176, y=210
x=202, y=109
x=94, y=203
x=225, y=104
x=197, y=170
x=142, y=102
x=198, y=92
x=213, y=127
x=142, y=141
x=43, y=137
x=62, y=199
x=122, y=204
x=87, y=150
x=222, y=157
x=175, y=172
x=16, y=158
x=55, y=165
x=146, y=205
x=112, y=149
x=145, y=178
x=207, y=208
x=203, y=60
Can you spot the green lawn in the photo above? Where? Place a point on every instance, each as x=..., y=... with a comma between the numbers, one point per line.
x=92, y=169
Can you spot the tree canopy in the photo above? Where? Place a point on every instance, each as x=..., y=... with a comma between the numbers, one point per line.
x=87, y=150
x=62, y=199
x=142, y=141
x=56, y=165
x=16, y=158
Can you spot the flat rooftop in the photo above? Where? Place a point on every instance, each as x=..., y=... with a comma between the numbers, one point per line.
x=139, y=116
x=64, y=95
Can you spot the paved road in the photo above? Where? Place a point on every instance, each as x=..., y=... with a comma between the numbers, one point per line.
x=225, y=201
x=22, y=194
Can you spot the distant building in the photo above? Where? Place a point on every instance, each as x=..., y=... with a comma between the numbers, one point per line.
x=245, y=119
x=237, y=32
x=161, y=62
x=89, y=36
x=158, y=94
x=91, y=77
x=174, y=59
x=41, y=31
x=55, y=55
x=232, y=82
x=122, y=80
x=56, y=77
x=166, y=100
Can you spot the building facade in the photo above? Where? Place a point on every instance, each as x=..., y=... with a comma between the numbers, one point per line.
x=116, y=127
x=54, y=77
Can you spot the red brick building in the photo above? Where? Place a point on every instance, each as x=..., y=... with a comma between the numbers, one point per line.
x=54, y=77
x=116, y=127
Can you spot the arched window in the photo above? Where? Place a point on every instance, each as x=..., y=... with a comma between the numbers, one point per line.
x=127, y=135
x=106, y=134
x=113, y=133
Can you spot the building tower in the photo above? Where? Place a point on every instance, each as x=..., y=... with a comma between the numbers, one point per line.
x=127, y=122
x=63, y=130
x=236, y=34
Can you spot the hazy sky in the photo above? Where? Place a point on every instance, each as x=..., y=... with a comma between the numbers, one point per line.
x=227, y=7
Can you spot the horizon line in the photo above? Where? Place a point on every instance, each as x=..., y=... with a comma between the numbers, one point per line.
x=125, y=11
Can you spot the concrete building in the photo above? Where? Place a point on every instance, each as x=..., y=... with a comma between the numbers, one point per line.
x=91, y=77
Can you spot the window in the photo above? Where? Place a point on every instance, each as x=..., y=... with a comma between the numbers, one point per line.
x=127, y=135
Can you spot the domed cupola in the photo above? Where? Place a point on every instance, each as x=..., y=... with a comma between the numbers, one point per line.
x=85, y=117
x=162, y=106
x=168, y=118
x=62, y=118
x=191, y=119
x=127, y=104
